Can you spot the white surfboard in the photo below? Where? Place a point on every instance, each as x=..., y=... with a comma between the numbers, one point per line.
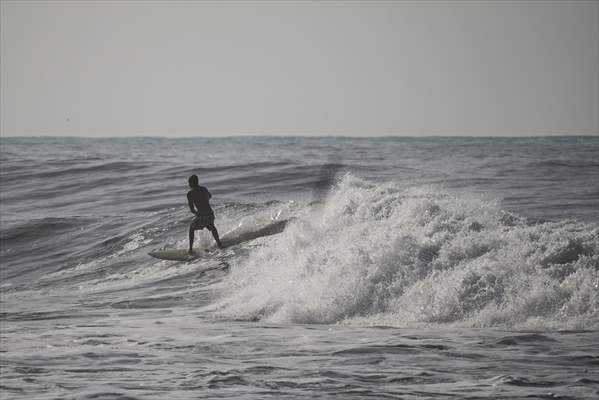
x=202, y=252
x=180, y=254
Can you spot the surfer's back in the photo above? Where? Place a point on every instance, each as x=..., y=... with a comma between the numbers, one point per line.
x=200, y=197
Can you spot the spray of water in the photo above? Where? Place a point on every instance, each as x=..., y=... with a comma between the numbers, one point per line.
x=377, y=255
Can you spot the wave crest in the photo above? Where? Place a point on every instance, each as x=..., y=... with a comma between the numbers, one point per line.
x=375, y=254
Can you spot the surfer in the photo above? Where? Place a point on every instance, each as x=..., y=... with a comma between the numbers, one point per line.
x=198, y=199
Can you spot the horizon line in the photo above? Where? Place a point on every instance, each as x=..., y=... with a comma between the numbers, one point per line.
x=296, y=136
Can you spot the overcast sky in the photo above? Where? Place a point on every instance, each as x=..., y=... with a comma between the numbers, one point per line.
x=299, y=68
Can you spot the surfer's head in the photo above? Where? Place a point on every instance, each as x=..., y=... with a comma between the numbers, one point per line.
x=193, y=181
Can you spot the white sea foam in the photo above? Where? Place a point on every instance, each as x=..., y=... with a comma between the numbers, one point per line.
x=377, y=255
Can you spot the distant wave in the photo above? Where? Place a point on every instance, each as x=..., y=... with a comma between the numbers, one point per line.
x=28, y=230
x=376, y=255
x=69, y=171
x=574, y=164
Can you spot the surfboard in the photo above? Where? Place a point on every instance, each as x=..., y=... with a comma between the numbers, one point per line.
x=180, y=254
x=229, y=240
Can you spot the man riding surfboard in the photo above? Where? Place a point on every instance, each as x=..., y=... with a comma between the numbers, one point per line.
x=198, y=199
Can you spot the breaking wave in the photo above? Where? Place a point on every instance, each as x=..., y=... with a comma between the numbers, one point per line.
x=374, y=254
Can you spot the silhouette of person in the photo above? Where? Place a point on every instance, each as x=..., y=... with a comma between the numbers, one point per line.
x=198, y=199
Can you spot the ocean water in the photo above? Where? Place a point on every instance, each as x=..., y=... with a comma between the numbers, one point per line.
x=408, y=268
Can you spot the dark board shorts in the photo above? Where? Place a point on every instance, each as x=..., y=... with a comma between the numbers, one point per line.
x=202, y=221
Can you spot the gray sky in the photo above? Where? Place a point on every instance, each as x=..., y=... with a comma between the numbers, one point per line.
x=299, y=68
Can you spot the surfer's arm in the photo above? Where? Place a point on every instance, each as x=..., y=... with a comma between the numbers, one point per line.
x=190, y=203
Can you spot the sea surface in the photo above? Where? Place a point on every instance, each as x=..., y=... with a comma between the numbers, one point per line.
x=408, y=268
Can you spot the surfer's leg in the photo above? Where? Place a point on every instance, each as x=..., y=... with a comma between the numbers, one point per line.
x=191, y=236
x=215, y=235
